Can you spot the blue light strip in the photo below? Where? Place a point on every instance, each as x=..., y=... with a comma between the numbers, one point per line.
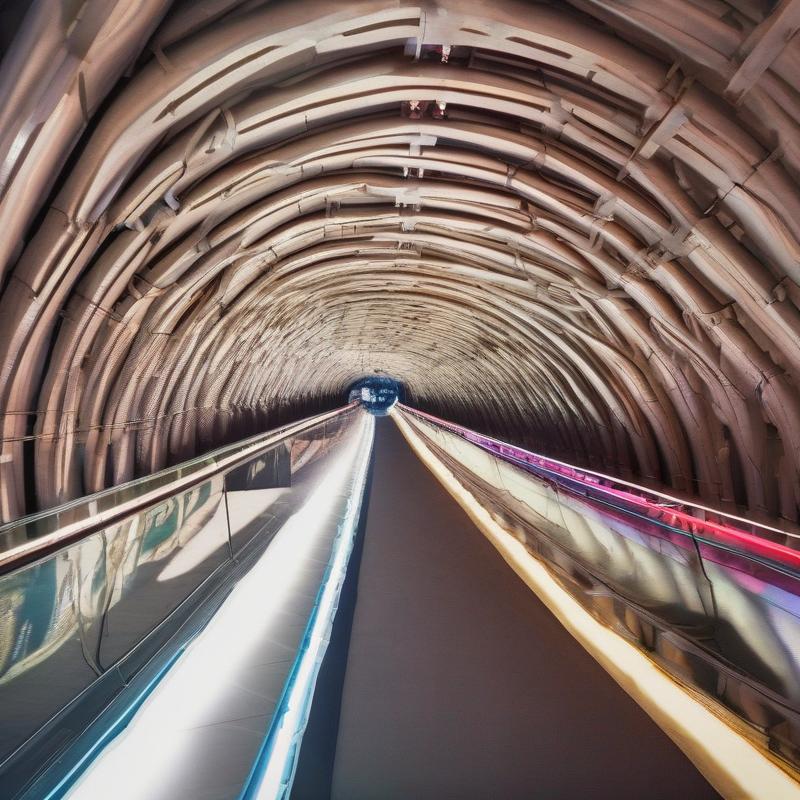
x=300, y=679
x=112, y=731
x=273, y=771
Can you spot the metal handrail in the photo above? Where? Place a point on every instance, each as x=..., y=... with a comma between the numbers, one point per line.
x=665, y=498
x=757, y=544
x=31, y=537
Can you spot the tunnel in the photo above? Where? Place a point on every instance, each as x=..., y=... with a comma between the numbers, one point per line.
x=552, y=246
x=376, y=394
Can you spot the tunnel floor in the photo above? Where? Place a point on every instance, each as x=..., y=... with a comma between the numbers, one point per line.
x=459, y=683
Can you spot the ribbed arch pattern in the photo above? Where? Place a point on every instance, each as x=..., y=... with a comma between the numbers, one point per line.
x=576, y=225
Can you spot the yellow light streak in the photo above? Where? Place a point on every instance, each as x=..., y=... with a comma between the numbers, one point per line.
x=731, y=762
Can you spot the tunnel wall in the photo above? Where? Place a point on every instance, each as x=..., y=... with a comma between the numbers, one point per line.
x=574, y=225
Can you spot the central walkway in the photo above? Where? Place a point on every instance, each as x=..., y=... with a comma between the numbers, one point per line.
x=461, y=684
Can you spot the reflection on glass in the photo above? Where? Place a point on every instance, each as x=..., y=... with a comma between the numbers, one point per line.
x=712, y=600
x=73, y=615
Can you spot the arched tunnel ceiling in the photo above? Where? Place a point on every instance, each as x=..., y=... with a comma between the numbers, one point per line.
x=573, y=224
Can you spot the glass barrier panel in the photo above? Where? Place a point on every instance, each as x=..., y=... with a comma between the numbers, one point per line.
x=90, y=512
x=163, y=555
x=77, y=623
x=713, y=599
x=50, y=615
x=758, y=618
x=257, y=494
